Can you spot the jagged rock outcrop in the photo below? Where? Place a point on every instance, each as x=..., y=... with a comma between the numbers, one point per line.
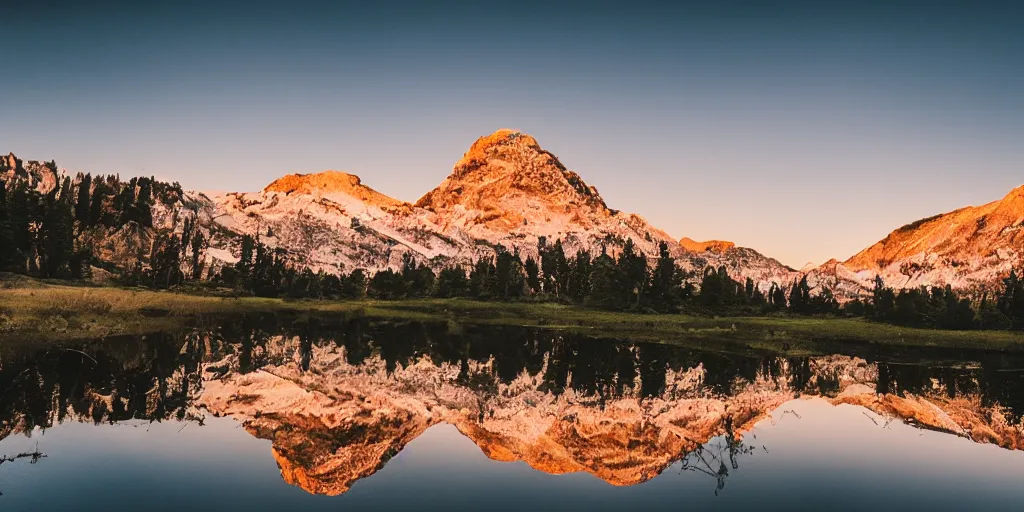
x=41, y=176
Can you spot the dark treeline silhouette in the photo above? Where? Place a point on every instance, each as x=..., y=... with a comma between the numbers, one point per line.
x=942, y=308
x=626, y=282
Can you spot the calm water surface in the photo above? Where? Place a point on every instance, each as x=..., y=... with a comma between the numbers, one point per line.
x=400, y=416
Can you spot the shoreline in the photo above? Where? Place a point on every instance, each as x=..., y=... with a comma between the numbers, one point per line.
x=33, y=312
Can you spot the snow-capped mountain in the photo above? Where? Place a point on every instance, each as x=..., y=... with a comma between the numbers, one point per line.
x=969, y=249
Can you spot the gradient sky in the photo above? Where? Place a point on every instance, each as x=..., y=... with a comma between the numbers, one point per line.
x=802, y=129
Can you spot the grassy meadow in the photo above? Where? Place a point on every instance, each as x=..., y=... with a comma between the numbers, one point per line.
x=38, y=312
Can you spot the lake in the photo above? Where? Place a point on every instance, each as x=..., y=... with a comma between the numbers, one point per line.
x=394, y=416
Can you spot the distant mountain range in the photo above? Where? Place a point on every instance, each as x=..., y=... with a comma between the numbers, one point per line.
x=507, y=190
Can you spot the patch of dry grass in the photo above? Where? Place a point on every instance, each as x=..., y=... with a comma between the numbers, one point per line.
x=46, y=312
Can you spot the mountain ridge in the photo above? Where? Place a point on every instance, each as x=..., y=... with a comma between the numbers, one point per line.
x=969, y=248
x=506, y=190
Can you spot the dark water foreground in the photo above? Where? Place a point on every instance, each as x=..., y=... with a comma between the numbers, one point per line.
x=427, y=416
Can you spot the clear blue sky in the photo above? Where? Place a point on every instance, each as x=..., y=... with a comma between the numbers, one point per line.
x=804, y=130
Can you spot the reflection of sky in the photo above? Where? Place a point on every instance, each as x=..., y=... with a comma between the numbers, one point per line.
x=820, y=457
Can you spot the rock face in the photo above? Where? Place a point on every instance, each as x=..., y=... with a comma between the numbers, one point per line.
x=970, y=249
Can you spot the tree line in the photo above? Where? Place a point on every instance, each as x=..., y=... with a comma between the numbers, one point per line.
x=625, y=282
x=943, y=308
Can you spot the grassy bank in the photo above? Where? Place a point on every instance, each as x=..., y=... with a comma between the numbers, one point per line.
x=34, y=312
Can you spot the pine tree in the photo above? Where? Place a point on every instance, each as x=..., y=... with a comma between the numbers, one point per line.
x=776, y=297
x=578, y=284
x=508, y=273
x=198, y=245
x=8, y=250
x=386, y=284
x=97, y=213
x=246, y=260
x=165, y=262
x=604, y=287
x=633, y=277
x=990, y=316
x=82, y=201
x=482, y=280
x=800, y=297
x=418, y=279
x=354, y=285
x=532, y=275
x=331, y=286
x=452, y=282
x=718, y=291
x=57, y=232
x=1011, y=302
x=144, y=203
x=883, y=301
x=554, y=268
x=666, y=282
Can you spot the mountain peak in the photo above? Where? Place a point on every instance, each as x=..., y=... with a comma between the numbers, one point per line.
x=517, y=150
x=503, y=136
x=506, y=176
x=328, y=183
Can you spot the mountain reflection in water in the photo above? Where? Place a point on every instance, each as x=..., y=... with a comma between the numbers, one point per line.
x=338, y=405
